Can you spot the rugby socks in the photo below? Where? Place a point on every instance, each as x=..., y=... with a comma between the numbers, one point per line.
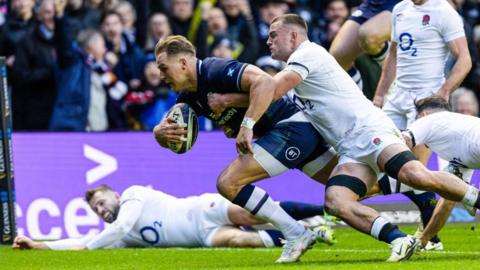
x=385, y=231
x=300, y=211
x=471, y=197
x=380, y=57
x=356, y=76
x=258, y=203
x=271, y=238
x=390, y=185
x=425, y=202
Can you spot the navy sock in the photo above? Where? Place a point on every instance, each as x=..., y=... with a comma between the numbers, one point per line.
x=276, y=236
x=301, y=210
x=384, y=184
x=389, y=233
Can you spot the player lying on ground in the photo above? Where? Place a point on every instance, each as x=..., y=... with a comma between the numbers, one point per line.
x=143, y=217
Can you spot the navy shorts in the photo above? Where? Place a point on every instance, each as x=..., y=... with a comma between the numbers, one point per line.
x=289, y=145
x=370, y=8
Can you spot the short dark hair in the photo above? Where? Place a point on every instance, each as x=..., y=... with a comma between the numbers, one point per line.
x=91, y=192
x=291, y=18
x=108, y=14
x=432, y=103
x=174, y=45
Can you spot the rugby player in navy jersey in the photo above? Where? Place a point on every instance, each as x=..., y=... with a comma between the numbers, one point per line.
x=285, y=138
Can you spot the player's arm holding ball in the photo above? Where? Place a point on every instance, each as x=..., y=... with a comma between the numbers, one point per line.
x=261, y=87
x=168, y=131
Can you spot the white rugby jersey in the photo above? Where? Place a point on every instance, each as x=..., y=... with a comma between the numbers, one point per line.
x=330, y=98
x=422, y=33
x=454, y=137
x=151, y=218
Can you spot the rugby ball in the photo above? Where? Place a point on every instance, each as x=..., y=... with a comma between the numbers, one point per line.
x=185, y=116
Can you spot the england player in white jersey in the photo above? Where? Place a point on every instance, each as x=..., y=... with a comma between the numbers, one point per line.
x=424, y=33
x=366, y=140
x=454, y=137
x=143, y=217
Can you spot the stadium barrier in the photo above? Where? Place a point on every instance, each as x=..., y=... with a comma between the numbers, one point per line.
x=7, y=191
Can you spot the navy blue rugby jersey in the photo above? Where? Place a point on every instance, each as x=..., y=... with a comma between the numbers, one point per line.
x=217, y=75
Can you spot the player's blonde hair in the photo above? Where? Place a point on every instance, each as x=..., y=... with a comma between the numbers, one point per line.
x=292, y=19
x=174, y=45
x=91, y=192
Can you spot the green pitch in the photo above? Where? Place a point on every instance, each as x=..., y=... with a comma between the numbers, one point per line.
x=353, y=251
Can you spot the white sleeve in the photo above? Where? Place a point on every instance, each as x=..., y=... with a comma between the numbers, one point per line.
x=453, y=27
x=419, y=131
x=301, y=63
x=130, y=210
x=70, y=243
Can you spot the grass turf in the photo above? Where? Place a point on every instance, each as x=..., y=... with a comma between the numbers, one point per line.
x=353, y=251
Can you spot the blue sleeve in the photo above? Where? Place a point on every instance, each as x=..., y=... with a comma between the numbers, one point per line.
x=225, y=75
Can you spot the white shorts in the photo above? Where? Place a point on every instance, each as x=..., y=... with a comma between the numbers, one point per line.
x=400, y=105
x=212, y=214
x=367, y=144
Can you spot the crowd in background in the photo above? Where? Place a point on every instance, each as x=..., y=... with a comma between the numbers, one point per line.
x=89, y=65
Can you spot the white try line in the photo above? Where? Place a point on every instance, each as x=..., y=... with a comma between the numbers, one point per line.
x=461, y=252
x=329, y=250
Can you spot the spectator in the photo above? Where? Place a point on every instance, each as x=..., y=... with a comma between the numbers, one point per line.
x=181, y=17
x=269, y=9
x=269, y=65
x=129, y=68
x=147, y=104
x=464, y=101
x=128, y=17
x=19, y=22
x=326, y=28
x=158, y=29
x=33, y=73
x=134, y=20
x=80, y=16
x=85, y=82
x=241, y=29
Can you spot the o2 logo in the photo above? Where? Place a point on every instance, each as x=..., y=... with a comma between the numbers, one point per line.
x=406, y=43
x=149, y=233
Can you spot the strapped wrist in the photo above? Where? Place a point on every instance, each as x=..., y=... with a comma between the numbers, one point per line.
x=248, y=122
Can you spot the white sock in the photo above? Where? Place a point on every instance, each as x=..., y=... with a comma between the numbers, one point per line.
x=262, y=206
x=471, y=196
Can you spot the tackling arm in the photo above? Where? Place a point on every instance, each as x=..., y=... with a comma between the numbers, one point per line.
x=439, y=218
x=286, y=80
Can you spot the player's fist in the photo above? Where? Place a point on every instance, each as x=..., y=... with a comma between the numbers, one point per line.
x=216, y=103
x=378, y=101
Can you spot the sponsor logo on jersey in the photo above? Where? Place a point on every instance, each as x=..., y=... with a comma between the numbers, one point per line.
x=426, y=20
x=292, y=153
x=230, y=72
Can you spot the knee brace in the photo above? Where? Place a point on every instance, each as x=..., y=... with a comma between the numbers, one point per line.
x=393, y=166
x=353, y=183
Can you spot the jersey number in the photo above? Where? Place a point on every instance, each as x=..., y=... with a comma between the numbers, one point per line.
x=301, y=104
x=406, y=43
